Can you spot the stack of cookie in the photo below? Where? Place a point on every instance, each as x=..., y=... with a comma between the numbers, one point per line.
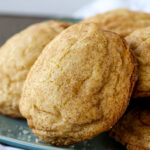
x=72, y=86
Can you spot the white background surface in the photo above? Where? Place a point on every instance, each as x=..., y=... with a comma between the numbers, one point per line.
x=42, y=7
x=100, y=6
x=68, y=8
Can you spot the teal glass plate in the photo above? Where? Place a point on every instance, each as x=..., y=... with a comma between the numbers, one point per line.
x=15, y=132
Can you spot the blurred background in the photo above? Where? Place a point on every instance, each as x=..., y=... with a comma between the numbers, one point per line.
x=42, y=7
x=68, y=8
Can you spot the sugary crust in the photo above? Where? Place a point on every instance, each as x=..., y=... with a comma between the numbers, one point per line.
x=17, y=55
x=139, y=42
x=79, y=86
x=133, y=129
x=133, y=147
x=121, y=21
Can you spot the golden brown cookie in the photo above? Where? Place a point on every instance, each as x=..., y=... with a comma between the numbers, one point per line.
x=121, y=21
x=79, y=86
x=139, y=42
x=17, y=55
x=133, y=129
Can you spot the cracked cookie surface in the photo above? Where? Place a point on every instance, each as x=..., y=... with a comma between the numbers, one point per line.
x=17, y=55
x=133, y=129
x=139, y=41
x=121, y=21
x=79, y=86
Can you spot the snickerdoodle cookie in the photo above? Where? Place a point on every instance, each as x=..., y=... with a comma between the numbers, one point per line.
x=139, y=42
x=121, y=21
x=133, y=129
x=79, y=86
x=17, y=55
